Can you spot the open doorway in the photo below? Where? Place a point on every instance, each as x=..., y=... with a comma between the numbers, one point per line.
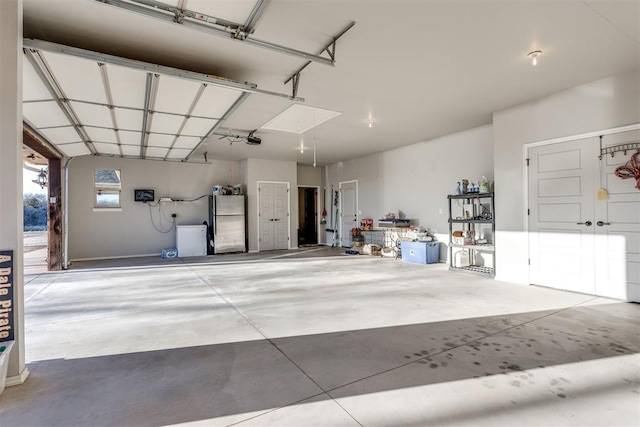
x=307, y=216
x=35, y=211
x=42, y=191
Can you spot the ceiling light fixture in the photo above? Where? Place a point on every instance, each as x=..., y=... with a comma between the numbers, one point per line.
x=534, y=56
x=369, y=122
x=41, y=180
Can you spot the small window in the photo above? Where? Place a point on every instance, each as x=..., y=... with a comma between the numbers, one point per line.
x=107, y=186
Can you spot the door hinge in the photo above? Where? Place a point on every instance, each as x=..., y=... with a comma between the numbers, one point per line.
x=529, y=261
x=527, y=162
x=528, y=211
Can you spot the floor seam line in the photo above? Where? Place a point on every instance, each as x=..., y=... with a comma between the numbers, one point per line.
x=312, y=380
x=255, y=327
x=26, y=301
x=273, y=344
x=275, y=409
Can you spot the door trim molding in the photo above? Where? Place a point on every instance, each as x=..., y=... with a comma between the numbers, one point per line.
x=317, y=187
x=341, y=231
x=288, y=209
x=525, y=172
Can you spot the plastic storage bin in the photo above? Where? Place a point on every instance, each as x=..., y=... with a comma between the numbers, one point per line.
x=4, y=363
x=169, y=253
x=421, y=252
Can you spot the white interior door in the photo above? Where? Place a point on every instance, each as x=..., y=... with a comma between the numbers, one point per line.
x=561, y=215
x=602, y=258
x=617, y=231
x=273, y=215
x=348, y=210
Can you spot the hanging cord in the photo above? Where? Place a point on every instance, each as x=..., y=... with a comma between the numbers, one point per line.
x=191, y=200
x=159, y=228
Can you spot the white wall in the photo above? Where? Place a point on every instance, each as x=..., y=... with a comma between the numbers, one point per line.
x=130, y=232
x=416, y=179
x=607, y=103
x=270, y=170
x=11, y=173
x=308, y=176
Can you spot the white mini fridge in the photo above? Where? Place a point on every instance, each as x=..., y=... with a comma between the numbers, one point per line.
x=191, y=240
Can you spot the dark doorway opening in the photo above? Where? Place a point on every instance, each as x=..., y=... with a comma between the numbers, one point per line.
x=307, y=216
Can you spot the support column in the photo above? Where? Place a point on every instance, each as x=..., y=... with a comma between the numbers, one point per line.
x=11, y=171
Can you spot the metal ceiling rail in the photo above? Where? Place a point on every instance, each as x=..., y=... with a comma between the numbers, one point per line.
x=206, y=23
x=150, y=93
x=329, y=48
x=48, y=79
x=154, y=159
x=224, y=117
x=192, y=107
x=34, y=44
x=255, y=15
x=107, y=90
x=122, y=107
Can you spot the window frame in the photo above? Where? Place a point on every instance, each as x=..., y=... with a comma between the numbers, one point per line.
x=105, y=188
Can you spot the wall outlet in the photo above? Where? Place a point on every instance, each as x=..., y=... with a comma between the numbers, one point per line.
x=440, y=211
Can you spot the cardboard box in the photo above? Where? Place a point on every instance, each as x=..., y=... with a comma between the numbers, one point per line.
x=462, y=240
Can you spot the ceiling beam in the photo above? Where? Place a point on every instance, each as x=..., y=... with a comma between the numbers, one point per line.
x=32, y=140
x=209, y=79
x=208, y=24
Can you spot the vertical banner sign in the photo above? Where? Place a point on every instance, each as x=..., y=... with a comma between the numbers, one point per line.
x=6, y=296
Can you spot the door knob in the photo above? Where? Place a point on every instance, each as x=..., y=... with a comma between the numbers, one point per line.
x=587, y=223
x=600, y=223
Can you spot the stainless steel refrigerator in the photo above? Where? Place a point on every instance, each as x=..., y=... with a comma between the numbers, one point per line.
x=228, y=224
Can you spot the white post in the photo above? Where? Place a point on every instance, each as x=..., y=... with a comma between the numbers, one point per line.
x=11, y=171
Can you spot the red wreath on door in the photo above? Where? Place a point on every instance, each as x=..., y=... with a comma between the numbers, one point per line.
x=631, y=169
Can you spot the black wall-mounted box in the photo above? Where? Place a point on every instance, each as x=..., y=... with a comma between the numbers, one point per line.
x=144, y=195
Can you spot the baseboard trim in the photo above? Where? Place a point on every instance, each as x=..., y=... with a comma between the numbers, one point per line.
x=18, y=379
x=159, y=255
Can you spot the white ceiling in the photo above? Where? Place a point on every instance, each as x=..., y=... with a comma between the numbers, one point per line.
x=416, y=69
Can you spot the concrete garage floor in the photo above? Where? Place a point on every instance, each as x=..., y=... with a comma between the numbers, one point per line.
x=318, y=338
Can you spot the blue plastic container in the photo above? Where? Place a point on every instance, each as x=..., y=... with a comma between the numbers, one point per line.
x=420, y=252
